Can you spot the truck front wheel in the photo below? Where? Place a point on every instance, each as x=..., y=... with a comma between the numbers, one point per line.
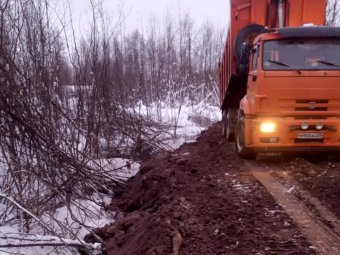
x=240, y=142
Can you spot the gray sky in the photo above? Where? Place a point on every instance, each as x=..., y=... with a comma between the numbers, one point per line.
x=138, y=12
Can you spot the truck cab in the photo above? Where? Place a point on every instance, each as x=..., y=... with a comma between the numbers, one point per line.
x=292, y=100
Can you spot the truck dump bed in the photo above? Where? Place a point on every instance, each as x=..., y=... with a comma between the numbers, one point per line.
x=248, y=18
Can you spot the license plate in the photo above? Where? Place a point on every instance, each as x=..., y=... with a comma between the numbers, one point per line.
x=310, y=136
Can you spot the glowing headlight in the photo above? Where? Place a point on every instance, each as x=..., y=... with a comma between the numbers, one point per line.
x=304, y=126
x=268, y=127
x=319, y=126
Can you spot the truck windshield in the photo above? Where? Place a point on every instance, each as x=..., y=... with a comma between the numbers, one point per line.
x=300, y=54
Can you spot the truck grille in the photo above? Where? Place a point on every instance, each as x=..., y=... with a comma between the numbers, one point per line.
x=311, y=100
x=291, y=106
x=311, y=105
x=317, y=109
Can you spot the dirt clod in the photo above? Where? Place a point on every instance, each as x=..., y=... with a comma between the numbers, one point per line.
x=201, y=199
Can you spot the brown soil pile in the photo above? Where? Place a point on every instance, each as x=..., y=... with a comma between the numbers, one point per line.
x=201, y=199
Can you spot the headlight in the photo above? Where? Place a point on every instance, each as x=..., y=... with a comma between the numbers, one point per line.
x=268, y=127
x=304, y=126
x=319, y=126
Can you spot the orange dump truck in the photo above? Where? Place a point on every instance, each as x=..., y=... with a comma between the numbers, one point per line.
x=280, y=78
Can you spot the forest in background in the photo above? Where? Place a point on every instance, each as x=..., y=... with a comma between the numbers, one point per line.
x=68, y=101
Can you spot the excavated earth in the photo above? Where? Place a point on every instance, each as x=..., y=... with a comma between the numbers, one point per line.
x=203, y=199
x=320, y=175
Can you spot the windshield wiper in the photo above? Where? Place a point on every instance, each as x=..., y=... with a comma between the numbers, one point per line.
x=327, y=63
x=283, y=64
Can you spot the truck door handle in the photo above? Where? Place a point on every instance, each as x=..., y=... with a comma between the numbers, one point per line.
x=254, y=77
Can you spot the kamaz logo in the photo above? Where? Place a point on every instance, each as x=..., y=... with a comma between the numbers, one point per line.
x=312, y=105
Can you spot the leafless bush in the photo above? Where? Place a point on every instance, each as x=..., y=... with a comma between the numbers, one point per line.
x=332, y=12
x=63, y=107
x=48, y=144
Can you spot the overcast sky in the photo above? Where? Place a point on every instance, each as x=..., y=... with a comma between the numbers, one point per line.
x=138, y=12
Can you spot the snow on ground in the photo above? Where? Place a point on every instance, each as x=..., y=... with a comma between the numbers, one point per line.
x=187, y=122
x=120, y=168
x=192, y=121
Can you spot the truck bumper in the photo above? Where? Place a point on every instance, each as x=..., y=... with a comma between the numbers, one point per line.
x=297, y=149
x=293, y=134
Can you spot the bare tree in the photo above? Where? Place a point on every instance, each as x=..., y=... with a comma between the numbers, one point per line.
x=67, y=104
x=332, y=12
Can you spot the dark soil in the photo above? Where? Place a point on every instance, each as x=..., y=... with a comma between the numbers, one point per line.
x=321, y=177
x=201, y=199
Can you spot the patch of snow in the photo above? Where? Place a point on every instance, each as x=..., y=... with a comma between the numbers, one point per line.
x=291, y=189
x=187, y=120
x=80, y=216
x=119, y=168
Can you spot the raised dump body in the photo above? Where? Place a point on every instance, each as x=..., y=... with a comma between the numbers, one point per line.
x=248, y=18
x=280, y=76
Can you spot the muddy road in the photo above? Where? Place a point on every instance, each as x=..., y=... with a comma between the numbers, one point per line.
x=203, y=199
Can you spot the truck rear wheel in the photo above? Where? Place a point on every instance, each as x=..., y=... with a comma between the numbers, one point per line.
x=240, y=142
x=224, y=128
x=227, y=122
x=230, y=130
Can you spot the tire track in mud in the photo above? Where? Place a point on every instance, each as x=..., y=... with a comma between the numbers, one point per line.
x=320, y=226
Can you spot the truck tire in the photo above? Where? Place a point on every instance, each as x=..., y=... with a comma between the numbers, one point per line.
x=227, y=125
x=246, y=35
x=224, y=127
x=240, y=142
x=230, y=132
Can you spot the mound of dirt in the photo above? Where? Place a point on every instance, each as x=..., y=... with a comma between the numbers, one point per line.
x=201, y=199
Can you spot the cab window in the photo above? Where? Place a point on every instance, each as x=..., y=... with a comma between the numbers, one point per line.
x=302, y=54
